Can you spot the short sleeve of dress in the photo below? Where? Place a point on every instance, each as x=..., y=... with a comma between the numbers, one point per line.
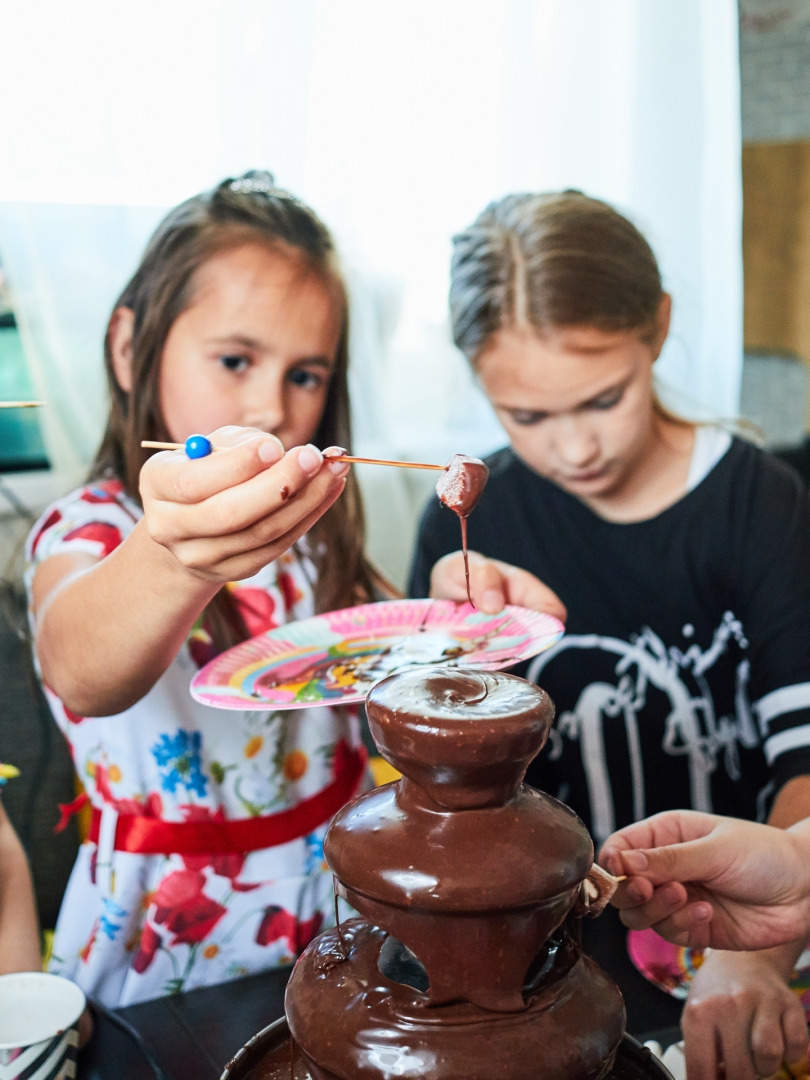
x=94, y=519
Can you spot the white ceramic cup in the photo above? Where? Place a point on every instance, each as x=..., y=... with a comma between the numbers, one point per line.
x=39, y=1032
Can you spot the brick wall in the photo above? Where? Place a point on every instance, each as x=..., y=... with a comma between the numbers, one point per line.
x=775, y=83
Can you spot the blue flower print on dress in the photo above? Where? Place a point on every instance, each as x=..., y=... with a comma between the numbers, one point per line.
x=111, y=911
x=179, y=761
x=315, y=858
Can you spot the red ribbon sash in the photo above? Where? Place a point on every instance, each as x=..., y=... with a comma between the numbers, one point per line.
x=153, y=836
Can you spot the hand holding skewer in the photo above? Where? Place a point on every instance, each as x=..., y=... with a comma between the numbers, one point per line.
x=197, y=446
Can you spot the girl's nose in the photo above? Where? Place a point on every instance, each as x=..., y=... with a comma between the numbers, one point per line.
x=264, y=407
x=577, y=445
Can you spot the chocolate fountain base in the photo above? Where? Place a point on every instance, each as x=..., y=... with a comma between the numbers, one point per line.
x=270, y=1055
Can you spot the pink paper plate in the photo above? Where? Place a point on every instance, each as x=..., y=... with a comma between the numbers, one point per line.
x=336, y=658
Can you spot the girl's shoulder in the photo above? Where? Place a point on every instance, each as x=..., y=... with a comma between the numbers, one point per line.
x=748, y=465
x=94, y=518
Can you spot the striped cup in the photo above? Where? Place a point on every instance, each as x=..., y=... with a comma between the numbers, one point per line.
x=39, y=1033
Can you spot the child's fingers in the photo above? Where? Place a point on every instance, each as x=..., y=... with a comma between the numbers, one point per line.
x=795, y=1034
x=645, y=906
x=493, y=585
x=291, y=489
x=240, y=555
x=526, y=590
x=275, y=499
x=631, y=893
x=171, y=476
x=700, y=1053
x=448, y=580
x=768, y=1045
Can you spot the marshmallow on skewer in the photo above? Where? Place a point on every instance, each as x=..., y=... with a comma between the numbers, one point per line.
x=460, y=485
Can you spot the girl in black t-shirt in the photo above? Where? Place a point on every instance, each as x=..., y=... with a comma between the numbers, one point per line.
x=681, y=554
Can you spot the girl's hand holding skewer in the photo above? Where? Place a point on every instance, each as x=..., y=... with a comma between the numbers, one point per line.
x=208, y=521
x=493, y=585
x=226, y=515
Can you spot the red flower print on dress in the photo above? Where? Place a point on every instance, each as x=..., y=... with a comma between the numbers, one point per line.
x=228, y=865
x=108, y=537
x=151, y=807
x=201, y=647
x=344, y=758
x=72, y=717
x=52, y=519
x=87, y=948
x=149, y=945
x=278, y=923
x=289, y=590
x=184, y=909
x=257, y=608
x=107, y=492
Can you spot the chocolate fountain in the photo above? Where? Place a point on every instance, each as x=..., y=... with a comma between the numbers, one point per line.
x=465, y=962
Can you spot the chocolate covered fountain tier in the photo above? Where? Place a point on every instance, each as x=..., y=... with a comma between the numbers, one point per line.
x=466, y=964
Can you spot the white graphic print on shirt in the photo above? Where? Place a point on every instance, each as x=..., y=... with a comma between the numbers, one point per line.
x=692, y=727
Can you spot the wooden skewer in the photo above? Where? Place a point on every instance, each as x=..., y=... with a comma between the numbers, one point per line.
x=151, y=445
x=382, y=461
x=20, y=404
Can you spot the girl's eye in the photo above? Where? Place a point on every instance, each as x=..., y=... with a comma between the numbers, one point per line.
x=307, y=379
x=607, y=401
x=234, y=363
x=526, y=417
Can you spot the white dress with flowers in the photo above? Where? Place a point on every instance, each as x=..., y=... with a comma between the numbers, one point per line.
x=135, y=926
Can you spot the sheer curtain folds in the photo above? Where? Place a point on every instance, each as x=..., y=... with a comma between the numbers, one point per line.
x=398, y=123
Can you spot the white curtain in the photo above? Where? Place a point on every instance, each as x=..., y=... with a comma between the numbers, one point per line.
x=398, y=123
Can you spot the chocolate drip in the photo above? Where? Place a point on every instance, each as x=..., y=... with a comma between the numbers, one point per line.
x=459, y=488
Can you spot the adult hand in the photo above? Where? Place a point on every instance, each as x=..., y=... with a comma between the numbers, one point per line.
x=703, y=880
x=225, y=516
x=493, y=585
x=740, y=1014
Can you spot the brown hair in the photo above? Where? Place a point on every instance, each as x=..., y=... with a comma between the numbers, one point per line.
x=550, y=261
x=247, y=209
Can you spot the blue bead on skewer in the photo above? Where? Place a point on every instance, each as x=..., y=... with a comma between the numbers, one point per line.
x=198, y=446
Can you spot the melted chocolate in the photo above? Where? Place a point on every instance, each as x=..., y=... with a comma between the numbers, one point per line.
x=633, y=1062
x=459, y=488
x=354, y=1023
x=465, y=963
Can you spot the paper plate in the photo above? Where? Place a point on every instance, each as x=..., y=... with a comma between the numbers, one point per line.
x=335, y=658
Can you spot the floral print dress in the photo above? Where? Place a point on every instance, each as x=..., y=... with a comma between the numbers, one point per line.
x=135, y=926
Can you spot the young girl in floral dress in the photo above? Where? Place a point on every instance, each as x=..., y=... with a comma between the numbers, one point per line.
x=204, y=859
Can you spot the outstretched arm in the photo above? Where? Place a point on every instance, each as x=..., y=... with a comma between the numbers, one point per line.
x=107, y=629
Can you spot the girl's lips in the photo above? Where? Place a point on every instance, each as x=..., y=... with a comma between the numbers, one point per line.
x=584, y=477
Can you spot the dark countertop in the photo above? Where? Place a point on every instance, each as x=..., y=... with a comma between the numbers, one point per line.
x=191, y=1036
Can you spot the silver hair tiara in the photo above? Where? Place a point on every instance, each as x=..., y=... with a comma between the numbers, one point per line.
x=249, y=185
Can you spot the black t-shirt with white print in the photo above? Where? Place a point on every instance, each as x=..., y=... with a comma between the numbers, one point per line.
x=683, y=678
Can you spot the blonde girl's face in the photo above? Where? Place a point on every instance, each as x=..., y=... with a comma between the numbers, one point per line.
x=577, y=404
x=255, y=347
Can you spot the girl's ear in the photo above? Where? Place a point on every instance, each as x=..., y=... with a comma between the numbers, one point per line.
x=662, y=323
x=119, y=337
